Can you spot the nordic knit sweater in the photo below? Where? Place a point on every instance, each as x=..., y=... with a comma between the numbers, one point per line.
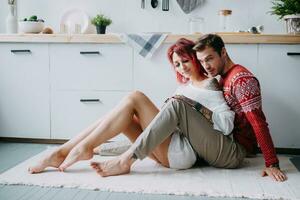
x=242, y=93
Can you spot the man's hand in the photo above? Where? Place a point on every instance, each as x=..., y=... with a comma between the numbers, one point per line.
x=275, y=173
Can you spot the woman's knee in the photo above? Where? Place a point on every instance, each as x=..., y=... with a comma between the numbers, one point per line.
x=136, y=97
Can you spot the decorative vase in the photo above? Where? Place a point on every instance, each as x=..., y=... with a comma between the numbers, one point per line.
x=101, y=29
x=11, y=20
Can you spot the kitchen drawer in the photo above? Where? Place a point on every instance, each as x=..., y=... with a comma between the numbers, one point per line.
x=91, y=66
x=69, y=115
x=24, y=87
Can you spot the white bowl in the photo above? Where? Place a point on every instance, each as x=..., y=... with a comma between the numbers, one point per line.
x=30, y=27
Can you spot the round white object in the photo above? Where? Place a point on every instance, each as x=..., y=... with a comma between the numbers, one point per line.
x=30, y=26
x=75, y=20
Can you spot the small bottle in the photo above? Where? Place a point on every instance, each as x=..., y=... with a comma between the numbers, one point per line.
x=224, y=23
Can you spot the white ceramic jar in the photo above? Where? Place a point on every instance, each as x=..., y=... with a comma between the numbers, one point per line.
x=11, y=20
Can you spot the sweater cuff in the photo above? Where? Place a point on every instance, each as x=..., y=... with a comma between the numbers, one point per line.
x=272, y=162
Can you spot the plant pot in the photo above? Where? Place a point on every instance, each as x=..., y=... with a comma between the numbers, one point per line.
x=292, y=23
x=101, y=29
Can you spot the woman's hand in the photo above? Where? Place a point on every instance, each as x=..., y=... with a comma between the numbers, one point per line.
x=275, y=173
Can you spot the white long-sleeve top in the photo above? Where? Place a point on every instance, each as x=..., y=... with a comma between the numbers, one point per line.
x=222, y=117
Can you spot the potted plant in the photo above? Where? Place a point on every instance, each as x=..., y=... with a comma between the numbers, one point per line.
x=101, y=22
x=289, y=10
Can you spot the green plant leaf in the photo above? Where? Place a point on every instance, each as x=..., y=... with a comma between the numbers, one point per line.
x=101, y=20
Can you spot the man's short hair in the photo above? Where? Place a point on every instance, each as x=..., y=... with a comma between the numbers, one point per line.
x=209, y=40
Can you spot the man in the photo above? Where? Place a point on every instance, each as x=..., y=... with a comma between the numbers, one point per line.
x=242, y=93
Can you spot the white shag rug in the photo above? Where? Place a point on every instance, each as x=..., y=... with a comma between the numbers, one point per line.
x=148, y=177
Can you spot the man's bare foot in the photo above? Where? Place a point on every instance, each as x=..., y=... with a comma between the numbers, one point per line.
x=53, y=159
x=116, y=166
x=76, y=154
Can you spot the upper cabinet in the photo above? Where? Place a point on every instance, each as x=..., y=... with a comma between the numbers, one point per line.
x=24, y=87
x=278, y=69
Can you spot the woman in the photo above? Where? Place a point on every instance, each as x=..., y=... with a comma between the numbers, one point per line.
x=136, y=112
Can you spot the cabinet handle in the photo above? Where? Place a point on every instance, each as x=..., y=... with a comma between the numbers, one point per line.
x=89, y=52
x=293, y=53
x=90, y=100
x=20, y=51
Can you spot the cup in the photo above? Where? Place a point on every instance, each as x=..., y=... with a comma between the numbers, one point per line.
x=196, y=25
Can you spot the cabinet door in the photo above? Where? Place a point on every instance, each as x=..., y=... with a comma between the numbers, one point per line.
x=281, y=93
x=155, y=77
x=73, y=111
x=24, y=87
x=91, y=66
x=245, y=55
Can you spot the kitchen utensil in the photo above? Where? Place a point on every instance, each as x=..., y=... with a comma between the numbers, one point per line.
x=189, y=5
x=154, y=3
x=165, y=5
x=143, y=4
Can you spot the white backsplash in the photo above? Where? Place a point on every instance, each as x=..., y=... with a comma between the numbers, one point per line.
x=128, y=16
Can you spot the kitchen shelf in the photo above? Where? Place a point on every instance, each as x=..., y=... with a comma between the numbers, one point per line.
x=231, y=38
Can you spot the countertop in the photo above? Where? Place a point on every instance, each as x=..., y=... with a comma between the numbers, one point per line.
x=230, y=38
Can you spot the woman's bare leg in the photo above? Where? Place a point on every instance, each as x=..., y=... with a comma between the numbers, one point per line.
x=57, y=156
x=116, y=122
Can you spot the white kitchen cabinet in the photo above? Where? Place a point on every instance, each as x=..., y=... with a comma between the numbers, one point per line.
x=281, y=93
x=24, y=86
x=86, y=71
x=91, y=67
x=245, y=55
x=73, y=111
x=51, y=79
x=155, y=77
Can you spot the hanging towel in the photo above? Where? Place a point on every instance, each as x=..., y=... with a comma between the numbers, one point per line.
x=145, y=44
x=189, y=5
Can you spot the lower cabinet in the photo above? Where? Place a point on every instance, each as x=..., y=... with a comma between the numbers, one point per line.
x=24, y=87
x=245, y=55
x=279, y=68
x=57, y=94
x=74, y=111
x=155, y=77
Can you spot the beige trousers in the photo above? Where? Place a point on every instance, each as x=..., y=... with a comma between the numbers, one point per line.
x=211, y=145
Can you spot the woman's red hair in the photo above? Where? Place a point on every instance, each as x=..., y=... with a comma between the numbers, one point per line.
x=184, y=48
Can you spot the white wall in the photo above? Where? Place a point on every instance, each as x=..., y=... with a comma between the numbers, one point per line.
x=128, y=16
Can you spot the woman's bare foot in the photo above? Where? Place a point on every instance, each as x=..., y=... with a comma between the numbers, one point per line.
x=97, y=149
x=116, y=166
x=53, y=159
x=76, y=154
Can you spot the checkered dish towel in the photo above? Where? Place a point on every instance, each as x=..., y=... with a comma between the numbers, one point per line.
x=144, y=44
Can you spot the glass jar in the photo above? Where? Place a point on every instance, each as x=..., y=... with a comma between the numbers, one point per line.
x=196, y=25
x=224, y=23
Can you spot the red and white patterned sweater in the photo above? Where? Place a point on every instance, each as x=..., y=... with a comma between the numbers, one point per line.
x=242, y=93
